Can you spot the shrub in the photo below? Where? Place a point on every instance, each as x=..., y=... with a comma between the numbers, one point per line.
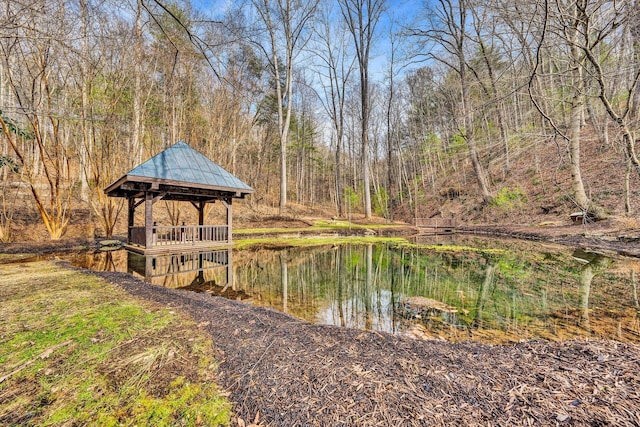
x=509, y=198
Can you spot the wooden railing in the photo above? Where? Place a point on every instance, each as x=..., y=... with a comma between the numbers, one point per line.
x=182, y=235
x=436, y=222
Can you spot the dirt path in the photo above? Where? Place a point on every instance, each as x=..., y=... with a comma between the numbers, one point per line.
x=298, y=374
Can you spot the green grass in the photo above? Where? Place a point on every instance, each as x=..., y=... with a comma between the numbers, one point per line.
x=509, y=197
x=315, y=241
x=75, y=349
x=456, y=248
x=319, y=225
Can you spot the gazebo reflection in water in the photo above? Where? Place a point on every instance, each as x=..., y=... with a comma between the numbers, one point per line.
x=209, y=271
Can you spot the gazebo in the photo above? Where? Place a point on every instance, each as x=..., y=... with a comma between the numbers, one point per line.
x=178, y=173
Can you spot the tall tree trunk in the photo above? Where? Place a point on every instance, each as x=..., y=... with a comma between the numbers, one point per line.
x=577, y=103
x=364, y=119
x=136, y=146
x=289, y=23
x=468, y=114
x=391, y=187
x=362, y=17
x=575, y=116
x=338, y=176
x=86, y=143
x=338, y=63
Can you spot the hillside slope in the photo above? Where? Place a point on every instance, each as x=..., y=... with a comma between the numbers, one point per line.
x=537, y=188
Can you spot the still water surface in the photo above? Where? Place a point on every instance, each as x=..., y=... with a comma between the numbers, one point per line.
x=493, y=291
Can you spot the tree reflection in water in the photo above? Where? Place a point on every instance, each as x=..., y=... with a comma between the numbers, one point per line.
x=491, y=295
x=594, y=263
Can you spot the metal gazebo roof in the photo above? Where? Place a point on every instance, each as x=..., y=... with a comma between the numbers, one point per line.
x=179, y=173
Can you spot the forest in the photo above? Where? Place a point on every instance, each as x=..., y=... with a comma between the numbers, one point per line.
x=381, y=107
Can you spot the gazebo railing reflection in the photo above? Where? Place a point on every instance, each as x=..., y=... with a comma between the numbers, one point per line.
x=158, y=266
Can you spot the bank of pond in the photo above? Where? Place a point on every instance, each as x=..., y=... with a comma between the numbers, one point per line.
x=451, y=288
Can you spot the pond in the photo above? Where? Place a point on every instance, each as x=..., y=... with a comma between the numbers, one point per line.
x=489, y=290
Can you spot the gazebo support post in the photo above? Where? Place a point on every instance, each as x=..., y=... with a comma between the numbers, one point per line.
x=200, y=219
x=148, y=219
x=132, y=215
x=227, y=204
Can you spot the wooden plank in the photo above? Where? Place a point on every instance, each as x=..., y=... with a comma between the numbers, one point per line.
x=171, y=249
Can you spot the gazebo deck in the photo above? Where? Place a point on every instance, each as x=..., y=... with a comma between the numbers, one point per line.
x=174, y=238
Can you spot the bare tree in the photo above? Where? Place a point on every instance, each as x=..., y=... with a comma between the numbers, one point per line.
x=448, y=32
x=286, y=25
x=36, y=131
x=396, y=90
x=559, y=34
x=362, y=18
x=390, y=124
x=138, y=43
x=486, y=38
x=335, y=68
x=602, y=26
x=7, y=197
x=576, y=64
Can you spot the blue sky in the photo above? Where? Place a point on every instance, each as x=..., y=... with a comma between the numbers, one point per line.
x=402, y=11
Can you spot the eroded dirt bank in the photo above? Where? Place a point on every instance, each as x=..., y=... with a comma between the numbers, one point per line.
x=295, y=374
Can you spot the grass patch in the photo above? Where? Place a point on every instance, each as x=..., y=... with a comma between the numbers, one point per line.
x=457, y=248
x=75, y=349
x=267, y=242
x=319, y=225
